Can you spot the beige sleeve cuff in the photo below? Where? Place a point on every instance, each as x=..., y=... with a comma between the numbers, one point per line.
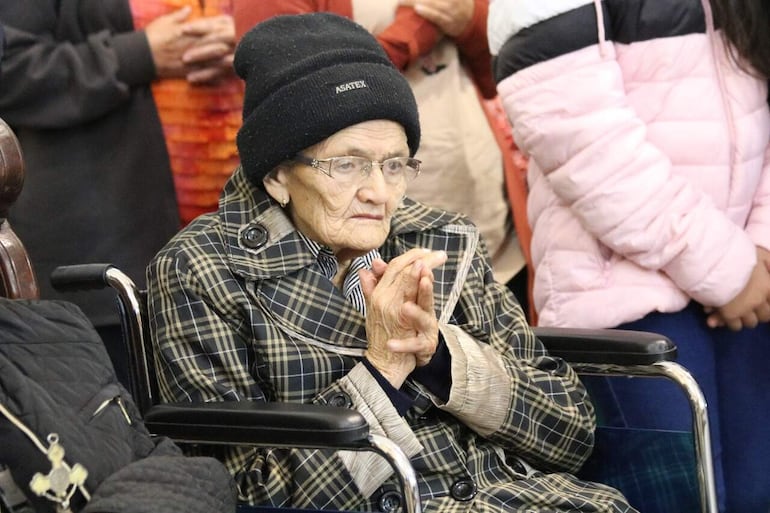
x=481, y=387
x=369, y=470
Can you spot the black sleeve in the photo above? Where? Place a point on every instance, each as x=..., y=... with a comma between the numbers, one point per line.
x=55, y=76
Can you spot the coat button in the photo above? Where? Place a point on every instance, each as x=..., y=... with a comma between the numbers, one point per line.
x=254, y=237
x=463, y=490
x=341, y=399
x=390, y=501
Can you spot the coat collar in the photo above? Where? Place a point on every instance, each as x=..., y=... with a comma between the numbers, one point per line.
x=265, y=249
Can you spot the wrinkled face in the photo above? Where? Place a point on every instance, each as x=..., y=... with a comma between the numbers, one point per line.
x=351, y=219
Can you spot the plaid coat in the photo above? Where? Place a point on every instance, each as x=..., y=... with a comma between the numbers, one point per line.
x=240, y=311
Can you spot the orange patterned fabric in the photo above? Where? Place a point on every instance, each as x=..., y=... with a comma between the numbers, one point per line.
x=199, y=122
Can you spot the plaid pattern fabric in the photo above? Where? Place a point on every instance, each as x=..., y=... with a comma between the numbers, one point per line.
x=233, y=320
x=644, y=463
x=351, y=286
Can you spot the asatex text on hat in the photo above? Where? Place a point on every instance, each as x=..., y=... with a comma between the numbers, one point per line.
x=357, y=84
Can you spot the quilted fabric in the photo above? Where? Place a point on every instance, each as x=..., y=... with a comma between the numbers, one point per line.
x=56, y=377
x=164, y=484
x=648, y=182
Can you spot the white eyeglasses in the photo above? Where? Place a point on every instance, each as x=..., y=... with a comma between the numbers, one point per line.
x=351, y=169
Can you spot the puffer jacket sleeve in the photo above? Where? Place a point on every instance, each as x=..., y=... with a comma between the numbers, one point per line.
x=565, y=95
x=758, y=226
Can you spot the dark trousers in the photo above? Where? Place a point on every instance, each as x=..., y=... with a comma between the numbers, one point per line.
x=732, y=371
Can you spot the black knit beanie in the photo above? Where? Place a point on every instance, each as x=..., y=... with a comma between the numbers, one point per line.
x=309, y=76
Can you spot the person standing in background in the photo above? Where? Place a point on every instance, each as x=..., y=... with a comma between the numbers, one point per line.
x=76, y=92
x=441, y=48
x=649, y=169
x=200, y=114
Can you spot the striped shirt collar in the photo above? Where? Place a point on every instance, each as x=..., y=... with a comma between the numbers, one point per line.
x=327, y=262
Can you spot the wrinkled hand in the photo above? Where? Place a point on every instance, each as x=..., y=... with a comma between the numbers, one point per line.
x=211, y=56
x=421, y=318
x=168, y=42
x=401, y=325
x=451, y=16
x=752, y=305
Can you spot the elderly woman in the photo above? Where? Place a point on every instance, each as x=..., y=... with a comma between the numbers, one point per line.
x=318, y=281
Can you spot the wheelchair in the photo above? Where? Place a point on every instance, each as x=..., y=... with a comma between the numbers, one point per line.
x=273, y=425
x=598, y=352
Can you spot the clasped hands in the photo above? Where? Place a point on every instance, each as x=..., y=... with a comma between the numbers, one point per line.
x=199, y=50
x=752, y=305
x=401, y=323
x=450, y=16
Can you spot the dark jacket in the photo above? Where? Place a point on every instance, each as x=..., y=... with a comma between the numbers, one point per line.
x=75, y=90
x=56, y=377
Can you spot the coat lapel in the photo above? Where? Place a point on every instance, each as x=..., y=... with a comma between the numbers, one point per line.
x=307, y=306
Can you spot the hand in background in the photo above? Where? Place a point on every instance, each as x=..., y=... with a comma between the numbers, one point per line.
x=451, y=16
x=763, y=255
x=752, y=305
x=400, y=319
x=210, y=58
x=168, y=42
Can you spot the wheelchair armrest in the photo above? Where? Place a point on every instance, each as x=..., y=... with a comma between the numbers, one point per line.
x=290, y=425
x=264, y=424
x=606, y=346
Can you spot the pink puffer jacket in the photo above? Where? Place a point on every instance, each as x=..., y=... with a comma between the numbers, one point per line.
x=649, y=171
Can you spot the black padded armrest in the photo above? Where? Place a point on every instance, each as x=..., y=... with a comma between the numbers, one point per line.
x=73, y=278
x=272, y=424
x=607, y=346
